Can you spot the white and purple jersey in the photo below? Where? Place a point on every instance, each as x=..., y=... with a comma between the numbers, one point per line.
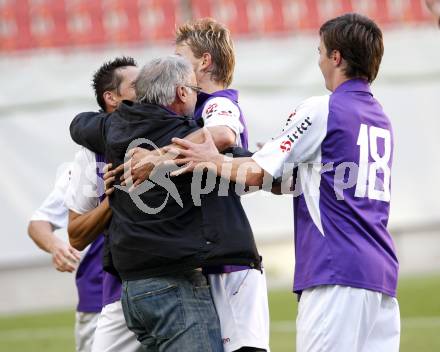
x=221, y=109
x=89, y=273
x=341, y=148
x=89, y=277
x=86, y=186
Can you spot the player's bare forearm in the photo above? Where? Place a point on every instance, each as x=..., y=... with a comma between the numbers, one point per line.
x=85, y=228
x=41, y=232
x=64, y=257
x=142, y=162
x=223, y=137
x=243, y=170
x=239, y=170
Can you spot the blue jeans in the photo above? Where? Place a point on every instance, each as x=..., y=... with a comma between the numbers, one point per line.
x=172, y=313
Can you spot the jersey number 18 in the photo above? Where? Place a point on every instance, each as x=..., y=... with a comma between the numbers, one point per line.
x=367, y=172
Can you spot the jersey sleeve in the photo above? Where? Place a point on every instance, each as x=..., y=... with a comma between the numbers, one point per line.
x=82, y=193
x=299, y=141
x=53, y=209
x=220, y=111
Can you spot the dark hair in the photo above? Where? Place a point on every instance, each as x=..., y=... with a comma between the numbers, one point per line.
x=360, y=42
x=108, y=79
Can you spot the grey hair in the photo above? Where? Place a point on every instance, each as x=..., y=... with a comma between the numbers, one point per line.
x=158, y=79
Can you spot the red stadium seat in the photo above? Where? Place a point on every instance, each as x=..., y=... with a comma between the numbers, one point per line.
x=85, y=22
x=14, y=25
x=157, y=19
x=28, y=24
x=121, y=21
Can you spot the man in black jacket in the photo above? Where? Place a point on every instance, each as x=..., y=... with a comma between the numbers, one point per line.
x=158, y=238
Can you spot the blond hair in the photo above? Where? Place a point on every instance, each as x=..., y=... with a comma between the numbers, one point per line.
x=206, y=35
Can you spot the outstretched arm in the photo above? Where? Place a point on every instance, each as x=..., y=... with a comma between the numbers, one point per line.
x=142, y=161
x=219, y=114
x=297, y=143
x=242, y=170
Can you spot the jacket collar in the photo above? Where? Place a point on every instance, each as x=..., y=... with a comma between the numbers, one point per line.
x=141, y=111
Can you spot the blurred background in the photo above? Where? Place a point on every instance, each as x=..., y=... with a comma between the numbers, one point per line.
x=49, y=50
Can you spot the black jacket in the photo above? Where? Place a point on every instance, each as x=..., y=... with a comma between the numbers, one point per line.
x=181, y=236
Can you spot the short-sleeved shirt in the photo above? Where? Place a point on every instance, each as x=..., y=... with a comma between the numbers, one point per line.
x=52, y=209
x=340, y=148
x=221, y=109
x=82, y=196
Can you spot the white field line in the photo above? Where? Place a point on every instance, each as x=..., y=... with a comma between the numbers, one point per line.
x=63, y=333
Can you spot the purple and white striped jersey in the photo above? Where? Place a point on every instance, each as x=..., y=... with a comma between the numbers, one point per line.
x=340, y=148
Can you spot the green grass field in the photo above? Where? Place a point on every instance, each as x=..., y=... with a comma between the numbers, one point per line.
x=418, y=297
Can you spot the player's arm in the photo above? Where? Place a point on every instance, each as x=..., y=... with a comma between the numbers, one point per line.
x=110, y=174
x=297, y=143
x=142, y=161
x=87, y=218
x=41, y=232
x=51, y=215
x=242, y=170
x=64, y=257
x=223, y=137
x=84, y=228
x=221, y=117
x=88, y=129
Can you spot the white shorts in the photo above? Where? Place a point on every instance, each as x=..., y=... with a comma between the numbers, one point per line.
x=112, y=334
x=240, y=299
x=346, y=319
x=85, y=325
